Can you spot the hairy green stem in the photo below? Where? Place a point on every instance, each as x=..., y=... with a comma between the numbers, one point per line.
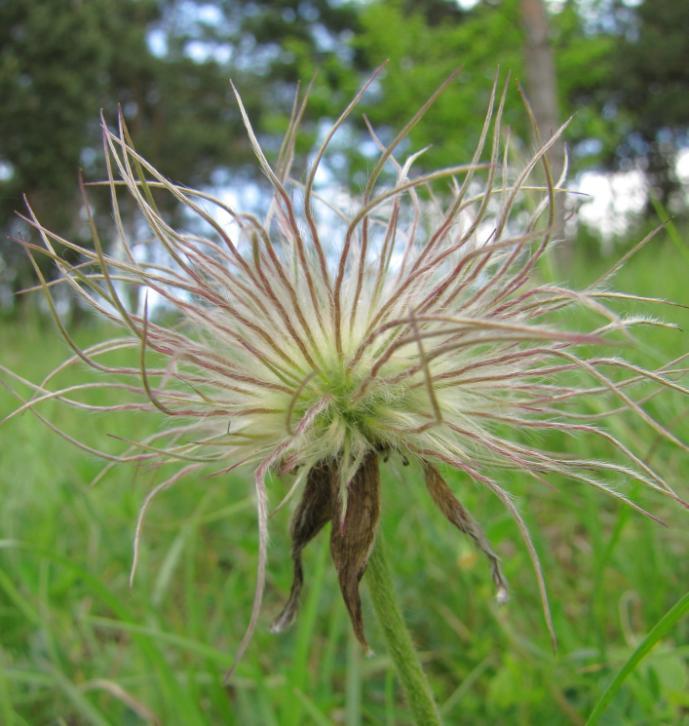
x=402, y=650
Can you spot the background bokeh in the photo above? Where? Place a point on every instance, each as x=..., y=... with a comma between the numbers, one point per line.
x=76, y=644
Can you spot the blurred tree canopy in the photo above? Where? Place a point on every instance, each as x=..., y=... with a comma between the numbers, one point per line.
x=651, y=92
x=64, y=60
x=621, y=69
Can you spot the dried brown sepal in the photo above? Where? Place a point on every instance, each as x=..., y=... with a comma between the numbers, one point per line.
x=460, y=517
x=314, y=511
x=351, y=540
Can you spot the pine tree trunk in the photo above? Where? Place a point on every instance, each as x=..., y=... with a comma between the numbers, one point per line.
x=541, y=87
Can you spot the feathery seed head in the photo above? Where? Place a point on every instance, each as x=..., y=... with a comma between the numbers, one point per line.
x=411, y=322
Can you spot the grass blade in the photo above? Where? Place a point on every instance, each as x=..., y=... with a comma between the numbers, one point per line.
x=658, y=631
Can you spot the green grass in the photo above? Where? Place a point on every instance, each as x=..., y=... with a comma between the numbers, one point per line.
x=78, y=646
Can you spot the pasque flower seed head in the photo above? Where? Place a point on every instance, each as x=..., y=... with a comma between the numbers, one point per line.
x=336, y=332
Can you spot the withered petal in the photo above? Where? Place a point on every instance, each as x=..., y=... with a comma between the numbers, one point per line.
x=314, y=511
x=460, y=517
x=351, y=539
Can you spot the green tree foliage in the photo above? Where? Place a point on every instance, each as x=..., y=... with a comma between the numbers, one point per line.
x=424, y=41
x=584, y=61
x=167, y=64
x=423, y=46
x=650, y=88
x=286, y=42
x=61, y=62
x=621, y=71
x=52, y=65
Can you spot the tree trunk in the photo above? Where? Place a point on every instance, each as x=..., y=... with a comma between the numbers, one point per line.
x=541, y=89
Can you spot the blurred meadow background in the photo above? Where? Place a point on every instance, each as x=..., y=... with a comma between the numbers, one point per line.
x=77, y=645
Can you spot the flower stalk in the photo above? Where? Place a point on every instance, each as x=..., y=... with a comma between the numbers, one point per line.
x=417, y=689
